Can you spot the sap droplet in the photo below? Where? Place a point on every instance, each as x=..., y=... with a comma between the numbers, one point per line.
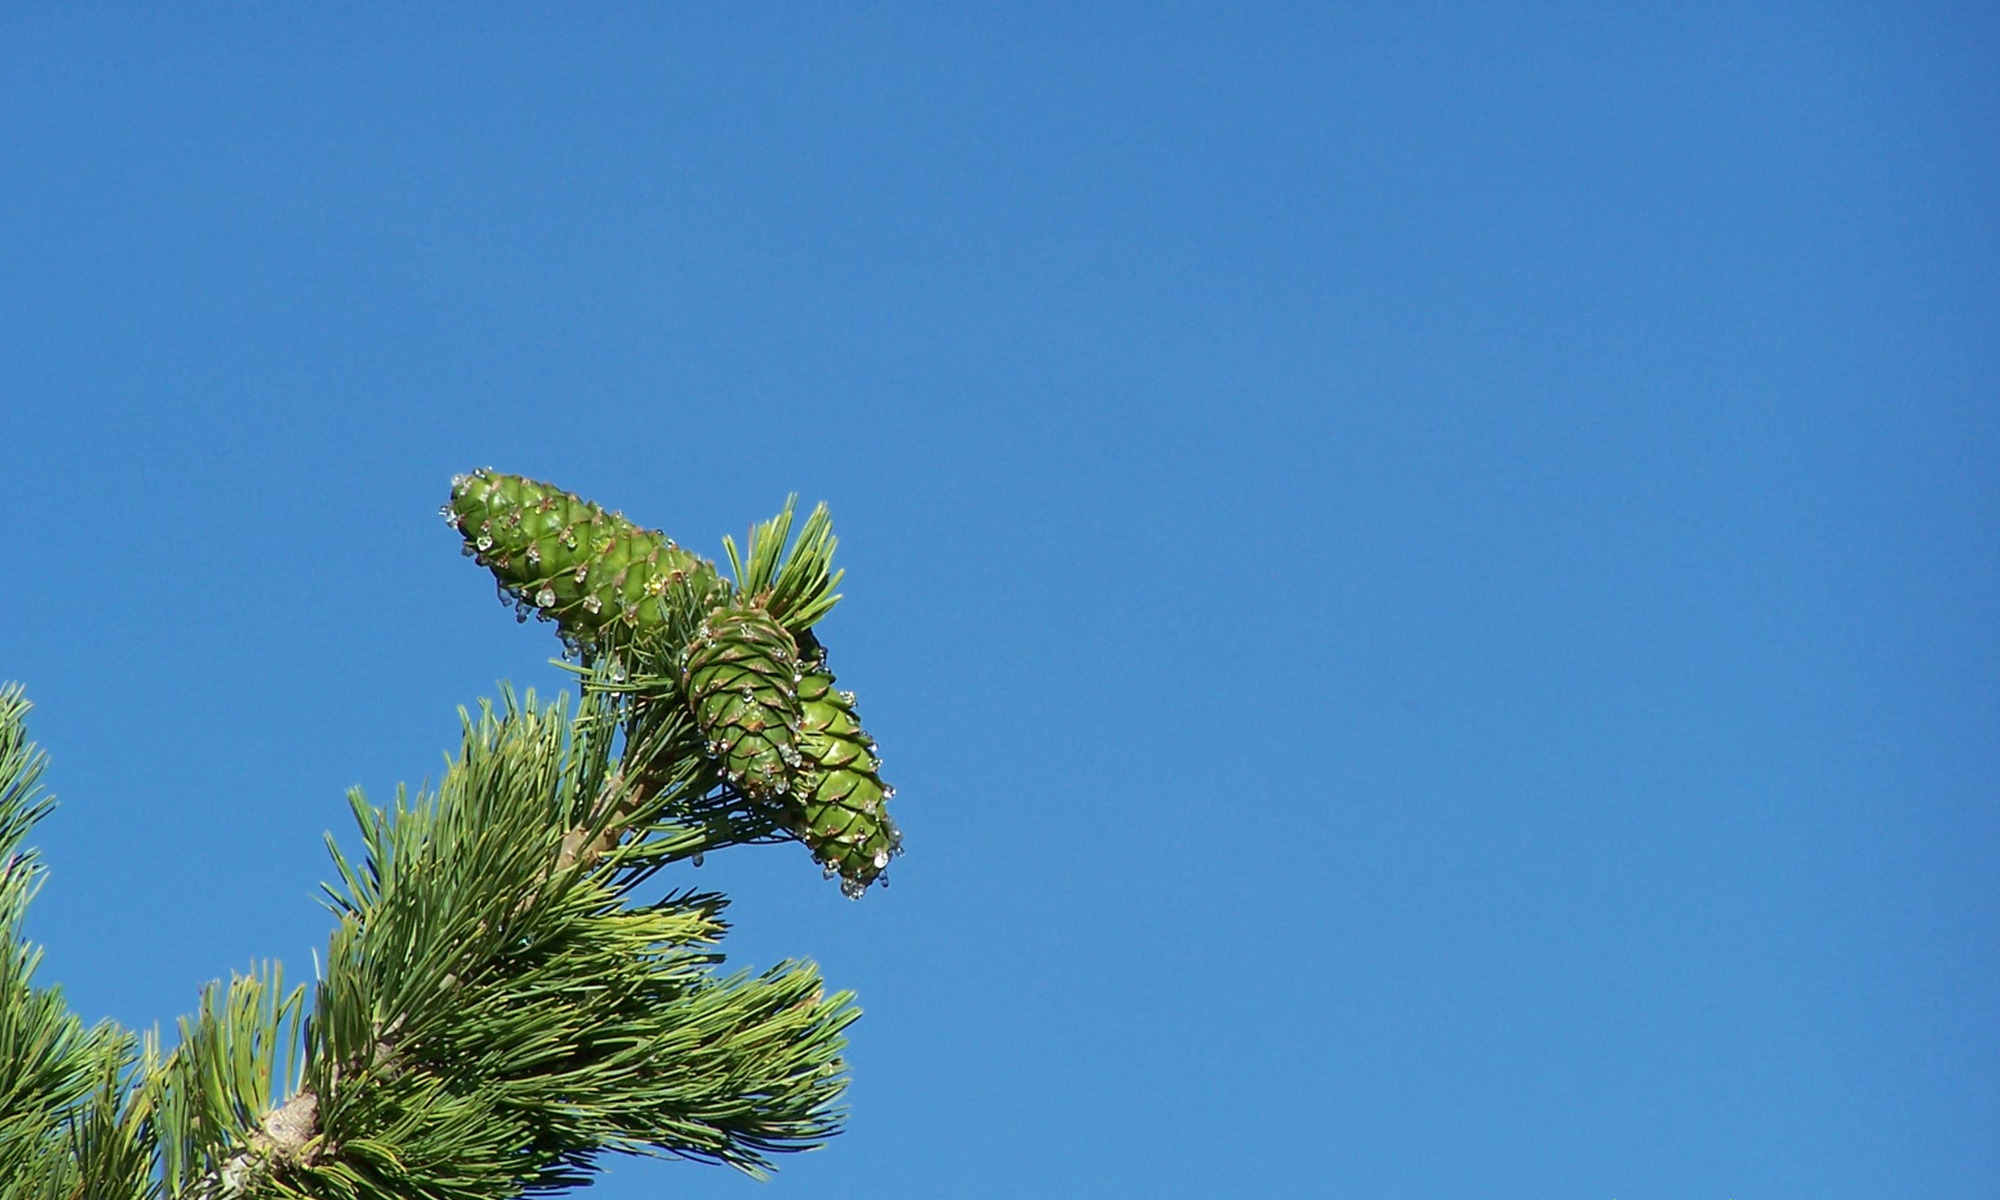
x=485, y=542
x=582, y=569
x=696, y=860
x=592, y=605
x=534, y=555
x=545, y=598
x=881, y=860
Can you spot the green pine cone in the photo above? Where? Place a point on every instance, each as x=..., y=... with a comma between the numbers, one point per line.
x=742, y=676
x=595, y=574
x=841, y=801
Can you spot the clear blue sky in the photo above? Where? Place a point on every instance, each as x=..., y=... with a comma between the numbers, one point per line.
x=1429, y=577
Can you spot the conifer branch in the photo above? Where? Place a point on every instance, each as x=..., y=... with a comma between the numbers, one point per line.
x=498, y=1008
x=50, y=1063
x=539, y=1019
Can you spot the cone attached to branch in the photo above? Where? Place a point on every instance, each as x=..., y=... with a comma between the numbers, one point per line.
x=841, y=801
x=742, y=677
x=598, y=576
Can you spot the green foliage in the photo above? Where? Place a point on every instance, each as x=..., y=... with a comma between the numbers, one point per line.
x=795, y=586
x=499, y=1007
x=48, y=1061
x=217, y=1099
x=538, y=1017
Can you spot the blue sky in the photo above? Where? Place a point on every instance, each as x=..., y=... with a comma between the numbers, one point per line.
x=1427, y=578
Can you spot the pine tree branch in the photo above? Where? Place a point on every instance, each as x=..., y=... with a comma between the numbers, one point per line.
x=50, y=1063
x=497, y=1011
x=495, y=1015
